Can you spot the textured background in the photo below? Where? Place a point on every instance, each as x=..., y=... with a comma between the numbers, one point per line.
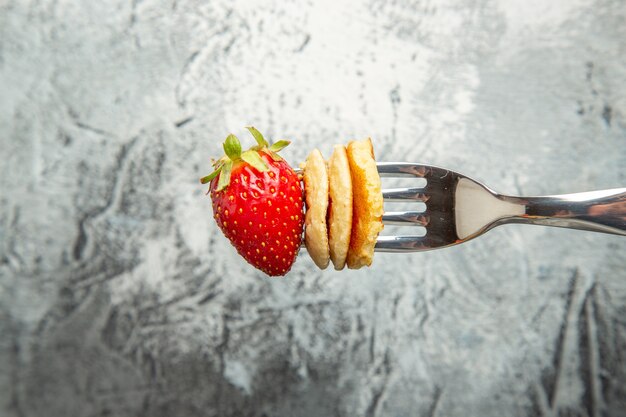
x=119, y=296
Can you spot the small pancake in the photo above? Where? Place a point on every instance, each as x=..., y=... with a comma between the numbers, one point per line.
x=367, y=220
x=340, y=206
x=316, y=191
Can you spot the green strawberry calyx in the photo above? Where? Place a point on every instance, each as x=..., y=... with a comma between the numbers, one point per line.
x=233, y=154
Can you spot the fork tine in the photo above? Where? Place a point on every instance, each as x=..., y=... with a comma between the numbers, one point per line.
x=402, y=169
x=404, y=194
x=400, y=244
x=401, y=218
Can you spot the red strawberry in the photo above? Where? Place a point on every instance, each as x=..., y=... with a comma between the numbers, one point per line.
x=257, y=202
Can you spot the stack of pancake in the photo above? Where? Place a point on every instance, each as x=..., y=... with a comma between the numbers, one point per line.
x=344, y=206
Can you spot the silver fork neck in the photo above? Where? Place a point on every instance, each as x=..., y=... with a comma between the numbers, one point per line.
x=478, y=209
x=596, y=211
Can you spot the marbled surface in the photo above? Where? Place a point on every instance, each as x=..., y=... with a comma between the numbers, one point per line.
x=119, y=296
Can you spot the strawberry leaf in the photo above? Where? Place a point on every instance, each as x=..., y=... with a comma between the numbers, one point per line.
x=258, y=136
x=252, y=157
x=224, y=175
x=275, y=156
x=278, y=146
x=210, y=177
x=232, y=147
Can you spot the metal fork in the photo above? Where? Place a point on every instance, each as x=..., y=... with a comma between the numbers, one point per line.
x=459, y=208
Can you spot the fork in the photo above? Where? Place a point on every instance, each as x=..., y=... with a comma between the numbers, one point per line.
x=459, y=209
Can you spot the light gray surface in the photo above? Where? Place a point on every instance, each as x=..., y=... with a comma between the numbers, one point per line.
x=119, y=296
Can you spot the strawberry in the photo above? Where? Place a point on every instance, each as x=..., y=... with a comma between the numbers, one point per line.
x=257, y=203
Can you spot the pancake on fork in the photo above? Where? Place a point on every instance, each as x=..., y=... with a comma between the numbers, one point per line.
x=367, y=220
x=316, y=193
x=340, y=206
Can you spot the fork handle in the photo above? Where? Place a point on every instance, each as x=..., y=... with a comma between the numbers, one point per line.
x=596, y=211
